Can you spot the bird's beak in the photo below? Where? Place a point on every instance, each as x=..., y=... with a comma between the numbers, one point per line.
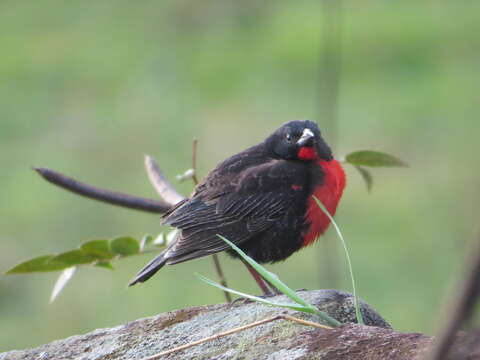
x=306, y=139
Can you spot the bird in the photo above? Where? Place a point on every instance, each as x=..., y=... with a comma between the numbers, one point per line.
x=261, y=199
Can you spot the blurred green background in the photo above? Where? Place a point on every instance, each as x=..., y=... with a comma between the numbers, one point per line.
x=88, y=87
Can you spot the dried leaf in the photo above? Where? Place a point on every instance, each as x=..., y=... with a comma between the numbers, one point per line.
x=62, y=280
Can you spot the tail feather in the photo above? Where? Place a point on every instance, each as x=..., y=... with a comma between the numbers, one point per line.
x=149, y=270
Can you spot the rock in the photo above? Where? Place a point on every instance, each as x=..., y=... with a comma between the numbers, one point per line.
x=279, y=339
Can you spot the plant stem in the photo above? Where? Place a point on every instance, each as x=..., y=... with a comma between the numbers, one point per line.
x=160, y=182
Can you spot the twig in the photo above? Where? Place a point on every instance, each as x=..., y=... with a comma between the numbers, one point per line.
x=463, y=306
x=221, y=276
x=108, y=196
x=194, y=161
x=160, y=182
x=236, y=330
x=216, y=260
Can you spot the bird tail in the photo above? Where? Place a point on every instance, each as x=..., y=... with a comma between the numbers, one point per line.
x=149, y=270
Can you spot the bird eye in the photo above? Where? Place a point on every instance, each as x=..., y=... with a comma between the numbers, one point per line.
x=288, y=137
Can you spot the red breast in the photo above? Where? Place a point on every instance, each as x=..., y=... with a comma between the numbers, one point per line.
x=329, y=193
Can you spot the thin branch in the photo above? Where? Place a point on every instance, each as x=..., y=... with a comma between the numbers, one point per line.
x=215, y=258
x=160, y=182
x=221, y=276
x=236, y=330
x=463, y=306
x=194, y=161
x=107, y=196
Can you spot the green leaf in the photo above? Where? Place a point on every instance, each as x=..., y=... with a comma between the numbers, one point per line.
x=358, y=313
x=105, y=264
x=38, y=264
x=98, y=248
x=367, y=176
x=373, y=159
x=74, y=257
x=62, y=280
x=125, y=246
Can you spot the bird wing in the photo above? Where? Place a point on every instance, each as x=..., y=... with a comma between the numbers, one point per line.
x=242, y=207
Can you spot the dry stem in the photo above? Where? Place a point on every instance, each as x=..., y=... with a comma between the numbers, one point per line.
x=236, y=330
x=160, y=182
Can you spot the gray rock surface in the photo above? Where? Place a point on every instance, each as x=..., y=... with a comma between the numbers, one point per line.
x=275, y=340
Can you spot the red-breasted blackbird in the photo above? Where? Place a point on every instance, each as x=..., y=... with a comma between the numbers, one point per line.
x=261, y=199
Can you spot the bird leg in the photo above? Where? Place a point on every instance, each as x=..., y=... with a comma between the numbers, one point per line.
x=267, y=288
x=274, y=288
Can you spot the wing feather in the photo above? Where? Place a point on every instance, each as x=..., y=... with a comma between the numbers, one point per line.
x=249, y=203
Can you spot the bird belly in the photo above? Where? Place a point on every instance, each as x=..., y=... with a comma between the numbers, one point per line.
x=329, y=193
x=273, y=245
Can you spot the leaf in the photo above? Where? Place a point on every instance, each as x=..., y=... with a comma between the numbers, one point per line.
x=358, y=313
x=74, y=257
x=105, y=264
x=38, y=264
x=62, y=280
x=98, y=248
x=125, y=246
x=147, y=239
x=367, y=176
x=373, y=159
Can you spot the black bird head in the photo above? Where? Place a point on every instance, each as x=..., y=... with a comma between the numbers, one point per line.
x=299, y=140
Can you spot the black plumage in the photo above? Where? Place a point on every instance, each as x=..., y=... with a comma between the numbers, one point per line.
x=257, y=199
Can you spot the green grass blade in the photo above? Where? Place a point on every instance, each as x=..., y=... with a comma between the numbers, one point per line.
x=275, y=281
x=339, y=233
x=255, y=298
x=267, y=275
